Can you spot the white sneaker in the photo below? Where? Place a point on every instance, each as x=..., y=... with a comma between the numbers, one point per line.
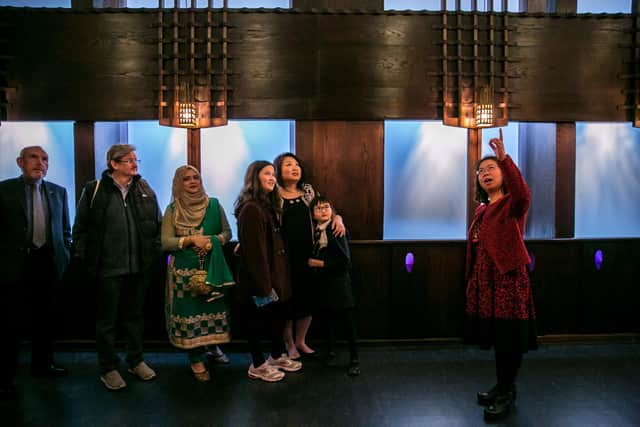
x=265, y=372
x=285, y=363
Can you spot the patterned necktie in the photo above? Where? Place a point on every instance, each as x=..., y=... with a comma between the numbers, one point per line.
x=316, y=241
x=39, y=231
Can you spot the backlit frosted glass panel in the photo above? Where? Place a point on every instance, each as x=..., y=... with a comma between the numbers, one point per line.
x=36, y=3
x=607, y=180
x=602, y=6
x=161, y=150
x=509, y=137
x=57, y=140
x=425, y=188
x=228, y=150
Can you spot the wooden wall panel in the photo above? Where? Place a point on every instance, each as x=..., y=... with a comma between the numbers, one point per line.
x=555, y=280
x=608, y=296
x=554, y=81
x=101, y=66
x=571, y=295
x=429, y=300
x=344, y=67
x=83, y=66
x=339, y=4
x=347, y=165
x=370, y=279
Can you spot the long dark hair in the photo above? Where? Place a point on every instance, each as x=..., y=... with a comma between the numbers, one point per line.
x=481, y=195
x=278, y=161
x=252, y=189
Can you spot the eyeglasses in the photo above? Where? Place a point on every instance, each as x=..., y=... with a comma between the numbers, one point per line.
x=130, y=161
x=490, y=168
x=322, y=208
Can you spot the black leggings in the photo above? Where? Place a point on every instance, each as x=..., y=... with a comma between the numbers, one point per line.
x=349, y=322
x=267, y=320
x=507, y=366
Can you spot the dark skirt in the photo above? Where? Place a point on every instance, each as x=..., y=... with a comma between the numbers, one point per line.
x=500, y=311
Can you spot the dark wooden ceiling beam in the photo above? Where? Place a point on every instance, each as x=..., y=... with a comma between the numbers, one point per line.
x=102, y=66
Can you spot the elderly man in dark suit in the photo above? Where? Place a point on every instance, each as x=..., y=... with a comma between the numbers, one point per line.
x=34, y=253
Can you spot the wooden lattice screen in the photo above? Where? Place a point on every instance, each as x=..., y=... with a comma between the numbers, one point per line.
x=192, y=57
x=475, y=52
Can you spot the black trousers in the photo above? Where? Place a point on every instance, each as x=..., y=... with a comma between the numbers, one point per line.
x=29, y=306
x=120, y=301
x=266, y=321
x=346, y=318
x=507, y=366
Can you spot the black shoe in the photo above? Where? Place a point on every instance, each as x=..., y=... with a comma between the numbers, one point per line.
x=7, y=392
x=49, y=371
x=354, y=368
x=501, y=407
x=486, y=398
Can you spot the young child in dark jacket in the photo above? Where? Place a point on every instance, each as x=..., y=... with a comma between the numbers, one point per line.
x=330, y=263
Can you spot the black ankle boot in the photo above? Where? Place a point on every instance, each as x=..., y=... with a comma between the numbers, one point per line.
x=501, y=407
x=486, y=398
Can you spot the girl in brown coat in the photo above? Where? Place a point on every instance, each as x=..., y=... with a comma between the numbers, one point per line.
x=263, y=274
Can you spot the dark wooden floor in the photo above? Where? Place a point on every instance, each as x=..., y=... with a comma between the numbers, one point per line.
x=582, y=385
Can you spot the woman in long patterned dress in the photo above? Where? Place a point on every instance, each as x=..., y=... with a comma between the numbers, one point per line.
x=500, y=310
x=194, y=229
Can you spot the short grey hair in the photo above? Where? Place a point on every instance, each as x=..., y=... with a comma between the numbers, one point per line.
x=117, y=152
x=31, y=147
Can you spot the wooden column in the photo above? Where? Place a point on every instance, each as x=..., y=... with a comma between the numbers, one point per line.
x=345, y=161
x=565, y=185
x=84, y=155
x=565, y=180
x=82, y=5
x=547, y=158
x=474, y=153
x=193, y=148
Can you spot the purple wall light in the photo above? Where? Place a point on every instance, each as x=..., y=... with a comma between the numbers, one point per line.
x=408, y=262
x=598, y=259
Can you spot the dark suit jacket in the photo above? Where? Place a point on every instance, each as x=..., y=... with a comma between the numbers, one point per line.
x=13, y=217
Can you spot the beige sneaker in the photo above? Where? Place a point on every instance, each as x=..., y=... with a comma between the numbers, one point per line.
x=265, y=372
x=112, y=380
x=143, y=371
x=285, y=363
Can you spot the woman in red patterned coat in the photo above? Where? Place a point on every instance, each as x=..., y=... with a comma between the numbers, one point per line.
x=499, y=308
